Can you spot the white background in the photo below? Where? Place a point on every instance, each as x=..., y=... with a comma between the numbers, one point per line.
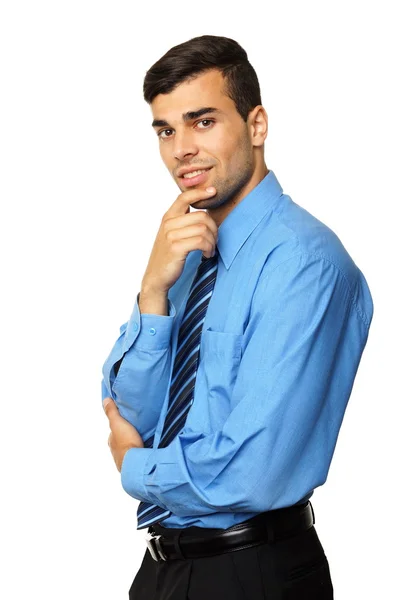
x=83, y=189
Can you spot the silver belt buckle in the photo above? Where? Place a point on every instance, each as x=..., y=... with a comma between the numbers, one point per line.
x=154, y=546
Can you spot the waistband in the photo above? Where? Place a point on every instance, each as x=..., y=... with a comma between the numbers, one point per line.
x=193, y=542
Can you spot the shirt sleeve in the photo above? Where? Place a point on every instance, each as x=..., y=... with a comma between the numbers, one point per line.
x=136, y=372
x=304, y=341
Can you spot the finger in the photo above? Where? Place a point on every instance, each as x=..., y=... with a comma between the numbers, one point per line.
x=207, y=242
x=195, y=229
x=193, y=218
x=181, y=204
x=110, y=408
x=204, y=243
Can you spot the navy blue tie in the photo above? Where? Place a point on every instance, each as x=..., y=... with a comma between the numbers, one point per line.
x=183, y=378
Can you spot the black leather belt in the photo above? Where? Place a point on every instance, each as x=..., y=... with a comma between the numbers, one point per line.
x=265, y=527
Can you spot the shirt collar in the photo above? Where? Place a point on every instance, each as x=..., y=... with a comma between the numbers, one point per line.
x=244, y=218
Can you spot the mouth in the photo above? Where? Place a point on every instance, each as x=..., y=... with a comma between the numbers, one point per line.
x=195, y=179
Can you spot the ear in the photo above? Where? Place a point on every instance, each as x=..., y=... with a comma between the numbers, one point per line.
x=258, y=123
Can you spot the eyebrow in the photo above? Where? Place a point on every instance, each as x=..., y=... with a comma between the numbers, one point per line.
x=188, y=116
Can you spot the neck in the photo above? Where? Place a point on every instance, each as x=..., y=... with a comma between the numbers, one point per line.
x=221, y=212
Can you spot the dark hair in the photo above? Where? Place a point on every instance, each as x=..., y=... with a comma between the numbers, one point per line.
x=200, y=54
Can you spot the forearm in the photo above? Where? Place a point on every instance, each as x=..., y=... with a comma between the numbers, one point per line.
x=142, y=355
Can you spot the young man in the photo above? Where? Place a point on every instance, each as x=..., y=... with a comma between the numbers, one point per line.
x=227, y=387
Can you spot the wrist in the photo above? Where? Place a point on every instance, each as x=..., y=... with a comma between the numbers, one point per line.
x=147, y=287
x=153, y=301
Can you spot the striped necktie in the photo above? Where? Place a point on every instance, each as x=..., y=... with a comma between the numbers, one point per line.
x=183, y=378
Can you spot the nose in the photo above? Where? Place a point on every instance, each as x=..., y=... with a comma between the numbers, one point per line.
x=184, y=145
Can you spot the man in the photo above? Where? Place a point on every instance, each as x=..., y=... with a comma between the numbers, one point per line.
x=226, y=389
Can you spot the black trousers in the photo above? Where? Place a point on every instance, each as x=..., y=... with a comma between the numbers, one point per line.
x=294, y=568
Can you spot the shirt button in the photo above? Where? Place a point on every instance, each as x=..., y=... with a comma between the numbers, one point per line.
x=152, y=331
x=135, y=327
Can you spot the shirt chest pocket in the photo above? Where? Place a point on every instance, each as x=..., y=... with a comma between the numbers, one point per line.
x=221, y=353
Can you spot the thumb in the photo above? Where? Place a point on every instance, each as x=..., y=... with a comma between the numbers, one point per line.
x=109, y=407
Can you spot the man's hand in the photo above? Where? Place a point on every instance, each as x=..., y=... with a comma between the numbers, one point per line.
x=123, y=435
x=180, y=232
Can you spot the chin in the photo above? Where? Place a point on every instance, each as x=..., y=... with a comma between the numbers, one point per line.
x=196, y=203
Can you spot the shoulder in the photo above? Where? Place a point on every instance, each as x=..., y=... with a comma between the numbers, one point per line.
x=307, y=248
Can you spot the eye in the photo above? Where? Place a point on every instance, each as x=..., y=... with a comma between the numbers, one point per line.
x=163, y=131
x=206, y=121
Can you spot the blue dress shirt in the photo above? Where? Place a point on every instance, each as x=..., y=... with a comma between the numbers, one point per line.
x=281, y=343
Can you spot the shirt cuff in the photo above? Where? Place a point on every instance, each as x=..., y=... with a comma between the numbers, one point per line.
x=149, y=331
x=133, y=471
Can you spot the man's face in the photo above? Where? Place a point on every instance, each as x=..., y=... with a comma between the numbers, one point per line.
x=217, y=140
